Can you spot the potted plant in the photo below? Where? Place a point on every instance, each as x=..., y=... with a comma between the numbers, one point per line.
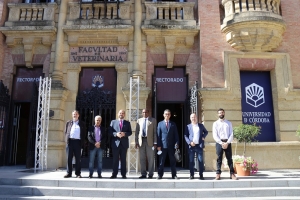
x=245, y=165
x=245, y=133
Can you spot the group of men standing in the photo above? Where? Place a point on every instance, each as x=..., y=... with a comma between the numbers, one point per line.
x=149, y=136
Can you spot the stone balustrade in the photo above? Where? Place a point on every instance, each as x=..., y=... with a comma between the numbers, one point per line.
x=239, y=6
x=31, y=12
x=99, y=11
x=253, y=25
x=170, y=10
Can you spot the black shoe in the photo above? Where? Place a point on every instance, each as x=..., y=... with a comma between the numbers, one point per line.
x=143, y=176
x=159, y=177
x=78, y=176
x=201, y=177
x=67, y=176
x=99, y=176
x=113, y=177
x=150, y=177
x=90, y=176
x=124, y=177
x=191, y=177
x=175, y=177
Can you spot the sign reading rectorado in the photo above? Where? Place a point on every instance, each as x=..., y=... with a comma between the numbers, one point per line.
x=98, y=54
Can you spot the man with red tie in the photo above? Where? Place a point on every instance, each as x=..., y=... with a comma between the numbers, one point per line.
x=119, y=131
x=167, y=141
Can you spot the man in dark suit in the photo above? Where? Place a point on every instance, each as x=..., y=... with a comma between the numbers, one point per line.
x=167, y=141
x=146, y=142
x=194, y=135
x=120, y=130
x=97, y=140
x=74, y=138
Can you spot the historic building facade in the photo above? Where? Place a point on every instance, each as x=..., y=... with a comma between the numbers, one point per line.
x=239, y=55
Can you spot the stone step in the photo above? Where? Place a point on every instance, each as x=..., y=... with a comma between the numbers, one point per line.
x=149, y=193
x=10, y=197
x=136, y=183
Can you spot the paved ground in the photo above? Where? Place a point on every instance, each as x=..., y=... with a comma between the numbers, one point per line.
x=183, y=174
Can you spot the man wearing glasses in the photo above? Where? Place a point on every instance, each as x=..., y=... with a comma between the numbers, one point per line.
x=145, y=141
x=167, y=141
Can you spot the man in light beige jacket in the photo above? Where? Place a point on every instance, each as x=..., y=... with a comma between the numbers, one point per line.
x=146, y=140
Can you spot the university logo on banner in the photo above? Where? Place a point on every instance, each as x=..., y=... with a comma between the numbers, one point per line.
x=255, y=95
x=98, y=81
x=257, y=103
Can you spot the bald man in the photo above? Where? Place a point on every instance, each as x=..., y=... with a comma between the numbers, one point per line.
x=194, y=135
x=119, y=131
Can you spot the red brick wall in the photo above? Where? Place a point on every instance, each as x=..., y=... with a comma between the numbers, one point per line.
x=291, y=41
x=212, y=44
x=3, y=13
x=254, y=64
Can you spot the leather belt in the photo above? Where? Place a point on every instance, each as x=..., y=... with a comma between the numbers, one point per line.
x=224, y=140
x=74, y=139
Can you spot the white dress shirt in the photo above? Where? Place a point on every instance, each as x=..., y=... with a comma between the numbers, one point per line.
x=75, y=131
x=196, y=133
x=222, y=129
x=142, y=125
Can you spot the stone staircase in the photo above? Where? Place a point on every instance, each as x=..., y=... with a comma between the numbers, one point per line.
x=52, y=186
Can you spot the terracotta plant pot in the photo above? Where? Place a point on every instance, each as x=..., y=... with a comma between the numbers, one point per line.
x=240, y=171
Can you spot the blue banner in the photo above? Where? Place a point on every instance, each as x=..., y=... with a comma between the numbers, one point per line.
x=257, y=103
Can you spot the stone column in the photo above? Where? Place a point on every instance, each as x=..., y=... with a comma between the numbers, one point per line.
x=57, y=74
x=56, y=145
x=59, y=94
x=122, y=79
x=137, y=45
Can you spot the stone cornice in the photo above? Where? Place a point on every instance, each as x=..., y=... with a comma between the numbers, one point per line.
x=29, y=42
x=100, y=35
x=171, y=38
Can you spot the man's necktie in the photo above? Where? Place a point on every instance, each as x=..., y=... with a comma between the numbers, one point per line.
x=144, y=128
x=167, y=125
x=121, y=125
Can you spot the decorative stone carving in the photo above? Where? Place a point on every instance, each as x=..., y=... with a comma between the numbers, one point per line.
x=170, y=42
x=19, y=49
x=256, y=30
x=14, y=14
x=74, y=67
x=143, y=92
x=151, y=12
x=49, y=13
x=188, y=13
x=74, y=12
x=124, y=11
x=121, y=67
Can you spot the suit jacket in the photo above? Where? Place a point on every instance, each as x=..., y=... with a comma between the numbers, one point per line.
x=167, y=138
x=151, y=131
x=115, y=128
x=189, y=134
x=92, y=140
x=67, y=131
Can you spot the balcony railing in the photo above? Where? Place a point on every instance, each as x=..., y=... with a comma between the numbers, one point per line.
x=253, y=25
x=31, y=12
x=239, y=6
x=170, y=10
x=99, y=10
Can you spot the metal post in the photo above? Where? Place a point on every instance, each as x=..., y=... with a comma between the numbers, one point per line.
x=41, y=141
x=133, y=116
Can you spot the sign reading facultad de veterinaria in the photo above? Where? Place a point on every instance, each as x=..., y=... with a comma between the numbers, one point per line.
x=86, y=54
